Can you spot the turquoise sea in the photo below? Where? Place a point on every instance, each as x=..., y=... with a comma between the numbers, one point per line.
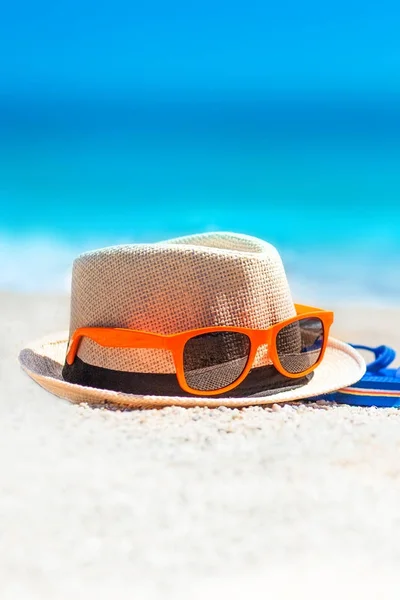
x=318, y=176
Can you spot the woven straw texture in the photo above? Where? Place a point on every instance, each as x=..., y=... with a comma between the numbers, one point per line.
x=43, y=361
x=215, y=279
x=187, y=283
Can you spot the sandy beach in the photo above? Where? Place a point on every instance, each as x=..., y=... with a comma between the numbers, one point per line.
x=295, y=500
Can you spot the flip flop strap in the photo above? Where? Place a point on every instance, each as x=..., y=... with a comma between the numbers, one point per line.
x=384, y=356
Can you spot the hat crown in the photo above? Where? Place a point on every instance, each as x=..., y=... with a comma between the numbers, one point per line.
x=211, y=279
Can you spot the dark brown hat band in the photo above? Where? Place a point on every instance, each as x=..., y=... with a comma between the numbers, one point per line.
x=260, y=381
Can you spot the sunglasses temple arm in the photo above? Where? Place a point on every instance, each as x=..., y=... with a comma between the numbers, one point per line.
x=115, y=338
x=302, y=309
x=73, y=347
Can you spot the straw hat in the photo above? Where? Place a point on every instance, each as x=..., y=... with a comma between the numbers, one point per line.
x=213, y=279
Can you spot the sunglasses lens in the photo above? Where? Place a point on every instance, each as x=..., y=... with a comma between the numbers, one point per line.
x=212, y=361
x=300, y=344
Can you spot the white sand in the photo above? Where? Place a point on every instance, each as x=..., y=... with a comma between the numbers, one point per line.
x=299, y=501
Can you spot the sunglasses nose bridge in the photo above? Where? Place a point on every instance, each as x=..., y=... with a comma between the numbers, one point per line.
x=264, y=338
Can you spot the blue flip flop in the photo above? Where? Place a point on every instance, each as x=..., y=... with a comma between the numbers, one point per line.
x=380, y=386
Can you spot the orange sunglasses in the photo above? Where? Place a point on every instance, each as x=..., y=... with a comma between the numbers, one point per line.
x=214, y=360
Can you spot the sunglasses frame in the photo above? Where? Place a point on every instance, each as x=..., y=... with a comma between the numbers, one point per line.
x=115, y=337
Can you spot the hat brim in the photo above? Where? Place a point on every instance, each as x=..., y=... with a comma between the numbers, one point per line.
x=44, y=360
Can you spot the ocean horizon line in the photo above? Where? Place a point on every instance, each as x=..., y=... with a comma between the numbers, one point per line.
x=280, y=117
x=277, y=100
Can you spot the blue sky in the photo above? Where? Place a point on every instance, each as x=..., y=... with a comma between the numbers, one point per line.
x=86, y=46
